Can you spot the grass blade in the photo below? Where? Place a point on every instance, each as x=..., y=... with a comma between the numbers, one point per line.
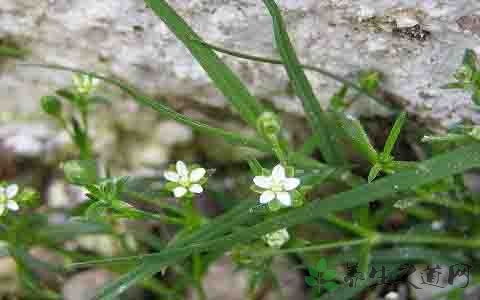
x=394, y=133
x=353, y=129
x=222, y=76
x=331, y=150
x=12, y=52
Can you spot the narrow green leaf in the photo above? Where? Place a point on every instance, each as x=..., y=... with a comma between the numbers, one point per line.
x=331, y=286
x=319, y=121
x=470, y=59
x=311, y=281
x=12, y=52
x=329, y=275
x=337, y=101
x=454, y=86
x=394, y=133
x=221, y=75
x=374, y=171
x=357, y=136
x=313, y=272
x=322, y=265
x=476, y=96
x=112, y=290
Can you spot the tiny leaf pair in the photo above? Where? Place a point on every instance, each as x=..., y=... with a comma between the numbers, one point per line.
x=314, y=278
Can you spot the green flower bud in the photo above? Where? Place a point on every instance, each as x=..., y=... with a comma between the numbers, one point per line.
x=28, y=196
x=81, y=172
x=464, y=74
x=51, y=105
x=268, y=124
x=476, y=96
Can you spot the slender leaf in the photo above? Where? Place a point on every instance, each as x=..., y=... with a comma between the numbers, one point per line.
x=143, y=271
x=394, y=133
x=221, y=75
x=12, y=52
x=321, y=126
x=353, y=129
x=470, y=59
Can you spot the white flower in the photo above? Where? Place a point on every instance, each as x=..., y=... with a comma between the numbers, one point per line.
x=392, y=296
x=85, y=83
x=277, y=239
x=6, y=198
x=186, y=180
x=277, y=186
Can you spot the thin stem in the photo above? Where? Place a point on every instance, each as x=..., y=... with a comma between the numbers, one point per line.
x=166, y=219
x=473, y=209
x=380, y=239
x=353, y=228
x=323, y=246
x=306, y=67
x=428, y=240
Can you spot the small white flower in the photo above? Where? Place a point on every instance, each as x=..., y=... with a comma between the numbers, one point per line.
x=85, y=83
x=392, y=296
x=186, y=180
x=277, y=239
x=7, y=194
x=277, y=186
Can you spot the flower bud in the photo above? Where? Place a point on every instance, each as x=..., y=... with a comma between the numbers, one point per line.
x=81, y=172
x=51, y=105
x=268, y=124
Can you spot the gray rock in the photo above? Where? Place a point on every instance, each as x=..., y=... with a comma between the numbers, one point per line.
x=126, y=39
x=32, y=140
x=224, y=281
x=83, y=286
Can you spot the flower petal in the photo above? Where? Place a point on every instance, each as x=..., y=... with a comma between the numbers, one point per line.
x=11, y=191
x=266, y=197
x=171, y=176
x=197, y=174
x=12, y=205
x=278, y=173
x=196, y=188
x=284, y=198
x=2, y=190
x=179, y=192
x=290, y=183
x=263, y=181
x=182, y=169
x=2, y=209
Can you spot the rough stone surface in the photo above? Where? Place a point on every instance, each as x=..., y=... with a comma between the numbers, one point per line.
x=124, y=38
x=224, y=281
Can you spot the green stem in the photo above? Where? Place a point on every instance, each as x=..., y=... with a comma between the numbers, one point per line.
x=324, y=246
x=473, y=209
x=428, y=240
x=356, y=229
x=275, y=61
x=381, y=239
